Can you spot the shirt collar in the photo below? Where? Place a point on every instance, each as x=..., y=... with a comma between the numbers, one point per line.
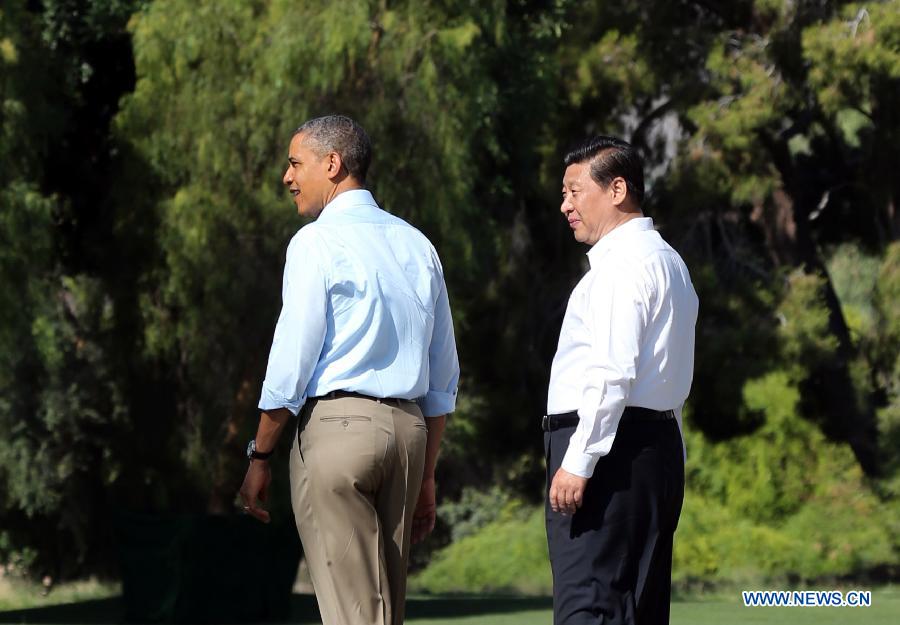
x=347, y=199
x=609, y=240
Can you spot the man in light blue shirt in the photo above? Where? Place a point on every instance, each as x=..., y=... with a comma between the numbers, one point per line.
x=364, y=353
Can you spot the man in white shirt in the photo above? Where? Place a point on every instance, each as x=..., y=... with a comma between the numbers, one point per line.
x=364, y=353
x=619, y=379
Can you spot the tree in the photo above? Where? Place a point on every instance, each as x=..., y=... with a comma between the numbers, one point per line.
x=73, y=393
x=143, y=223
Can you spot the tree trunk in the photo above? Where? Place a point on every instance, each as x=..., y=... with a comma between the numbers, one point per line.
x=828, y=394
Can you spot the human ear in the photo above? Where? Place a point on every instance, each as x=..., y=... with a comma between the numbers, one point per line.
x=619, y=189
x=334, y=164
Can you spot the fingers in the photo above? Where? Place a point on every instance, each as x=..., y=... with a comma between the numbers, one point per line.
x=423, y=521
x=573, y=499
x=553, y=496
x=418, y=532
x=258, y=513
x=255, y=488
x=425, y=512
x=561, y=498
x=423, y=524
x=567, y=503
x=566, y=493
x=250, y=507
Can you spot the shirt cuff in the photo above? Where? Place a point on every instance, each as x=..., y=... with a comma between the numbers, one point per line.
x=435, y=403
x=272, y=400
x=579, y=463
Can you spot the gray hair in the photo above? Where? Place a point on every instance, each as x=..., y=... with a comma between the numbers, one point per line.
x=339, y=133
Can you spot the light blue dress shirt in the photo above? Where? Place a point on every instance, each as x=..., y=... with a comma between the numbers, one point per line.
x=364, y=309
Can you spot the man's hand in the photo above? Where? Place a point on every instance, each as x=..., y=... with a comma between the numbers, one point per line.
x=425, y=512
x=256, y=487
x=567, y=492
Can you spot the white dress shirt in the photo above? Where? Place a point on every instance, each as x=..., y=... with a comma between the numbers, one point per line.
x=627, y=339
x=364, y=309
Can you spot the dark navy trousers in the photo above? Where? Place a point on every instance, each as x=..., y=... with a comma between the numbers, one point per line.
x=612, y=559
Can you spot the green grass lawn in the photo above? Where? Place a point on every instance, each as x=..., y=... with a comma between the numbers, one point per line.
x=885, y=610
x=17, y=594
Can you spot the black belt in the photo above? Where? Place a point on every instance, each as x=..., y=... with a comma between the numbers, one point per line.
x=381, y=400
x=554, y=422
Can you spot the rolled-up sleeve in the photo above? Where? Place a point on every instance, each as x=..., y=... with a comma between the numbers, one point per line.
x=443, y=363
x=300, y=331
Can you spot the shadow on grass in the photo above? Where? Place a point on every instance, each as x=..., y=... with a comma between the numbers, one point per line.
x=99, y=611
x=303, y=609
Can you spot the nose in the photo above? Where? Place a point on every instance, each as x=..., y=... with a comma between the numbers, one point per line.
x=566, y=207
x=287, y=179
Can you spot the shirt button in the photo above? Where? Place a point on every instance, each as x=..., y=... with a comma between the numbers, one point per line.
x=345, y=423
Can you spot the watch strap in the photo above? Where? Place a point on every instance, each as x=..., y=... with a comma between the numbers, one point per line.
x=254, y=454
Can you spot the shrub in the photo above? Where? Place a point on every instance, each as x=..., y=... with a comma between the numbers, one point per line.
x=847, y=532
x=507, y=555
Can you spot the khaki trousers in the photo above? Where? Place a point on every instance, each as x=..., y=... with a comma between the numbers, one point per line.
x=356, y=471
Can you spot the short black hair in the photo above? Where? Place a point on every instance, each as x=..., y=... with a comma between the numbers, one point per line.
x=339, y=133
x=611, y=158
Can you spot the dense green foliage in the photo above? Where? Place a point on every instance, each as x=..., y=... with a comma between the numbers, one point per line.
x=780, y=506
x=143, y=228
x=507, y=555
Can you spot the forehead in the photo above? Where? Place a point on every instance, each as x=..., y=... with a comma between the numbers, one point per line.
x=578, y=174
x=298, y=147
